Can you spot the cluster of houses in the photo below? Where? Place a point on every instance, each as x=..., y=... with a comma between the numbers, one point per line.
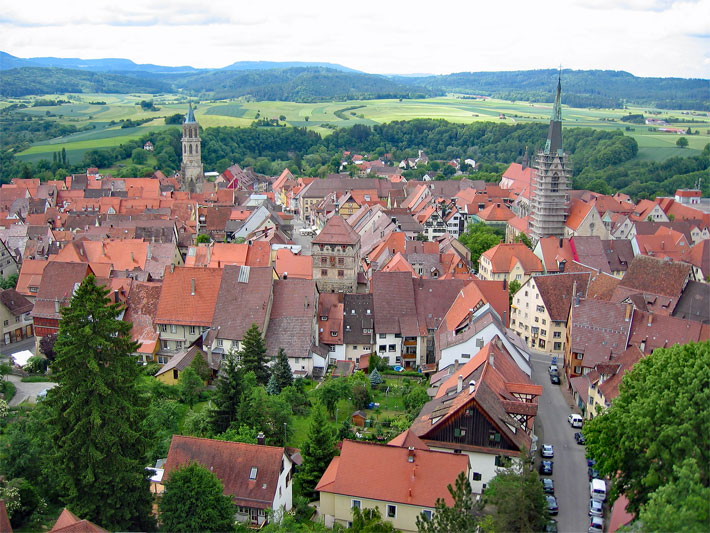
x=385, y=274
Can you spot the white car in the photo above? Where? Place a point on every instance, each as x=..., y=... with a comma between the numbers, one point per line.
x=596, y=508
x=547, y=450
x=575, y=420
x=596, y=525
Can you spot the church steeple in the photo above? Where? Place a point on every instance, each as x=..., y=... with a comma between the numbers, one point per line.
x=190, y=117
x=554, y=134
x=191, y=169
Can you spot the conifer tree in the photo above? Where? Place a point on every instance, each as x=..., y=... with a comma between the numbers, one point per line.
x=252, y=356
x=282, y=371
x=271, y=387
x=228, y=395
x=97, y=413
x=317, y=452
x=375, y=378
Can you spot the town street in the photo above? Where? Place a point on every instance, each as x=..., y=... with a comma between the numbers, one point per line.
x=24, y=391
x=570, y=465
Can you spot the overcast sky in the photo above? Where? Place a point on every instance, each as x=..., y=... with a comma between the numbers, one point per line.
x=644, y=37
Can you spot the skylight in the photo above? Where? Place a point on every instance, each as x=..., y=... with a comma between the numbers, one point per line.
x=252, y=473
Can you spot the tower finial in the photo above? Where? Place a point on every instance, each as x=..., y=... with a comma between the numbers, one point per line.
x=554, y=134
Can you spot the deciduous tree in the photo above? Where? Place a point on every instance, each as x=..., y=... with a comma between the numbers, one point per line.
x=194, y=500
x=190, y=386
x=478, y=238
x=99, y=443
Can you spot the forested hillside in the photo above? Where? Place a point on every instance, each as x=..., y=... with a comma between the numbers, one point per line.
x=40, y=80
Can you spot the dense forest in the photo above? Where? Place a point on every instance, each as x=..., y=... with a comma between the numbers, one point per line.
x=582, y=88
x=602, y=161
x=39, y=80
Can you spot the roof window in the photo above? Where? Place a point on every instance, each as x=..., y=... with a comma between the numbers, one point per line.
x=252, y=473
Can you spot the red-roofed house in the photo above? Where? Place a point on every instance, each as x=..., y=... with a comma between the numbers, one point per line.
x=509, y=261
x=295, y=266
x=401, y=482
x=584, y=220
x=336, y=256
x=257, y=477
x=68, y=522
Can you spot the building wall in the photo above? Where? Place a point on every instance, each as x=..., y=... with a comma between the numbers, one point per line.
x=174, y=338
x=335, y=267
x=283, y=496
x=392, y=347
x=14, y=328
x=479, y=463
x=169, y=377
x=8, y=266
x=527, y=312
x=591, y=226
x=353, y=352
x=337, y=508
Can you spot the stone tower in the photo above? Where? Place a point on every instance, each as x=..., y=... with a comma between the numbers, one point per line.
x=191, y=171
x=336, y=257
x=548, y=199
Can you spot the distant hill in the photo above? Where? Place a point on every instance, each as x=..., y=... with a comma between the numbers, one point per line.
x=268, y=65
x=49, y=80
x=8, y=61
x=580, y=88
x=299, y=84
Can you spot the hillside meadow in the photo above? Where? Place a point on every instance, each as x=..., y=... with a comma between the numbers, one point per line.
x=104, y=113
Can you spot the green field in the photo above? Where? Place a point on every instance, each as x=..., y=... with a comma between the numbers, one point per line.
x=321, y=117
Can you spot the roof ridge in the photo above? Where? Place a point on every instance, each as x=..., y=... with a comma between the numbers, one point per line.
x=229, y=441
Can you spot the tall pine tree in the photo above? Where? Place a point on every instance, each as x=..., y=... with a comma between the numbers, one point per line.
x=281, y=372
x=228, y=395
x=317, y=452
x=252, y=356
x=98, y=446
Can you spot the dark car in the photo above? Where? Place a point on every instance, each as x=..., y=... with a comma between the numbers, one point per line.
x=579, y=438
x=551, y=526
x=593, y=473
x=545, y=468
x=554, y=379
x=548, y=486
x=551, y=504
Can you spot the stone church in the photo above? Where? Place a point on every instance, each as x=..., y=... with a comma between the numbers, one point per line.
x=191, y=172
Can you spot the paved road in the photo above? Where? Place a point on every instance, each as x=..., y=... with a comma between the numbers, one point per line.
x=24, y=344
x=570, y=465
x=27, y=391
x=303, y=240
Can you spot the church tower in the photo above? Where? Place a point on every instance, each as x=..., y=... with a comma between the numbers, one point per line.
x=548, y=199
x=191, y=171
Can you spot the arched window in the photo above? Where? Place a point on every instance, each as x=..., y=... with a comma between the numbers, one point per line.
x=190, y=149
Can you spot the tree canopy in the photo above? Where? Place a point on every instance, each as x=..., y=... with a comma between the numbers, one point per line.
x=194, y=500
x=252, y=355
x=98, y=437
x=462, y=517
x=317, y=452
x=654, y=435
x=478, y=238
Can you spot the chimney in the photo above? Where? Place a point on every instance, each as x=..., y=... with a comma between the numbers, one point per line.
x=172, y=268
x=459, y=384
x=192, y=288
x=642, y=347
x=149, y=253
x=132, y=258
x=627, y=313
x=103, y=248
x=56, y=306
x=115, y=296
x=471, y=386
x=260, y=439
x=410, y=454
x=285, y=276
x=574, y=290
x=456, y=365
x=561, y=241
x=650, y=318
x=576, y=300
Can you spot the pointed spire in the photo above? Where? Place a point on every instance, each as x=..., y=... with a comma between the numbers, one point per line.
x=526, y=159
x=554, y=134
x=190, y=117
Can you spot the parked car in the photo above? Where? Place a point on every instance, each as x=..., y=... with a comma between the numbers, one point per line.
x=552, y=504
x=596, y=508
x=547, y=450
x=592, y=473
x=552, y=369
x=579, y=437
x=551, y=526
x=548, y=486
x=554, y=379
x=575, y=420
x=596, y=525
x=545, y=468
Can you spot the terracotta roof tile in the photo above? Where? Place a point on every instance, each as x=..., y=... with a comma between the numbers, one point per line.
x=657, y=276
x=392, y=478
x=504, y=256
x=68, y=522
x=179, y=304
x=337, y=231
x=556, y=292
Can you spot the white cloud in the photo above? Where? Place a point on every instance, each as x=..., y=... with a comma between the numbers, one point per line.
x=645, y=37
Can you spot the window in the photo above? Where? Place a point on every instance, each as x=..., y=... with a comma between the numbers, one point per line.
x=178, y=345
x=543, y=332
x=427, y=514
x=500, y=460
x=175, y=373
x=323, y=273
x=341, y=273
x=381, y=348
x=164, y=345
x=518, y=277
x=163, y=360
x=541, y=343
x=466, y=355
x=558, y=346
x=252, y=473
x=544, y=321
x=459, y=432
x=192, y=330
x=557, y=334
x=173, y=328
x=391, y=511
x=577, y=369
x=477, y=476
x=341, y=261
x=164, y=328
x=579, y=356
x=493, y=436
x=540, y=309
x=17, y=319
x=333, y=333
x=537, y=319
x=6, y=322
x=220, y=342
x=331, y=348
x=383, y=335
x=34, y=289
x=356, y=503
x=392, y=347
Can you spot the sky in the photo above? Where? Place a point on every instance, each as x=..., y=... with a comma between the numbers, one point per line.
x=644, y=37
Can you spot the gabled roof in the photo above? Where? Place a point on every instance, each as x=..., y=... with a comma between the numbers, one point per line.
x=232, y=463
x=555, y=253
x=694, y=304
x=503, y=257
x=395, y=307
x=179, y=304
x=408, y=439
x=656, y=276
x=15, y=302
x=141, y=307
x=243, y=299
x=337, y=231
x=619, y=253
x=496, y=213
x=59, y=281
x=590, y=252
x=556, y=291
x=68, y=522
x=358, y=315
x=578, y=211
x=650, y=331
x=625, y=362
x=599, y=329
x=293, y=313
x=182, y=360
x=292, y=265
x=391, y=476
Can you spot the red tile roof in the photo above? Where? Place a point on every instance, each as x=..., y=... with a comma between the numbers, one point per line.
x=623, y=363
x=68, y=522
x=655, y=276
x=504, y=256
x=295, y=266
x=179, y=305
x=293, y=317
x=5, y=526
x=391, y=477
x=556, y=292
x=337, y=231
x=58, y=283
x=232, y=463
x=578, y=211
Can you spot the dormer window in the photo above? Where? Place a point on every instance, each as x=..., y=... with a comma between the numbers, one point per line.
x=252, y=473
